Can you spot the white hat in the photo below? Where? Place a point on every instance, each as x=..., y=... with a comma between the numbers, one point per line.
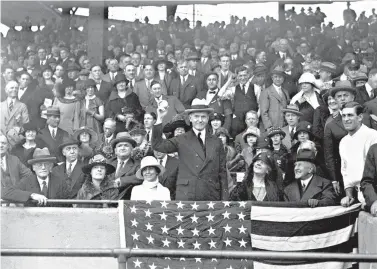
x=199, y=105
x=146, y=162
x=307, y=78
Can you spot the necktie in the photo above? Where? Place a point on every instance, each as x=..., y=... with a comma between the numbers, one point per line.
x=292, y=133
x=201, y=141
x=69, y=170
x=120, y=166
x=303, y=186
x=53, y=133
x=44, y=188
x=372, y=94
x=148, y=136
x=161, y=160
x=10, y=106
x=148, y=84
x=212, y=92
x=183, y=80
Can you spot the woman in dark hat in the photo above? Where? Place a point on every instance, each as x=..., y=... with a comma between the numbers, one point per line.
x=87, y=138
x=25, y=148
x=98, y=184
x=177, y=126
x=68, y=105
x=216, y=120
x=279, y=151
x=92, y=111
x=46, y=81
x=162, y=75
x=260, y=182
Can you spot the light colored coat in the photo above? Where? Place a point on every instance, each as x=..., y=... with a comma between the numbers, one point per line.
x=141, y=192
x=18, y=117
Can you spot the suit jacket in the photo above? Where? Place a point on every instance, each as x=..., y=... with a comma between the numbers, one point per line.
x=127, y=176
x=362, y=95
x=236, y=63
x=206, y=67
x=106, y=77
x=223, y=79
x=143, y=92
x=287, y=140
x=319, y=188
x=16, y=170
x=369, y=181
x=139, y=75
x=271, y=105
x=105, y=147
x=104, y=91
x=175, y=107
x=165, y=83
x=75, y=181
x=186, y=92
x=18, y=117
x=202, y=175
x=44, y=136
x=28, y=95
x=169, y=178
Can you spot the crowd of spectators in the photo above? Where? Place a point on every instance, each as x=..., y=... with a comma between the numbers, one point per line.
x=180, y=113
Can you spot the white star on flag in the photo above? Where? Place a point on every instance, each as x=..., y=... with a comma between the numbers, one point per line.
x=211, y=230
x=152, y=266
x=242, y=230
x=180, y=230
x=198, y=259
x=135, y=236
x=180, y=205
x=210, y=217
x=148, y=213
x=227, y=242
x=195, y=232
x=241, y=216
x=166, y=242
x=134, y=223
x=163, y=204
x=166, y=229
x=212, y=244
x=182, y=259
x=150, y=240
x=230, y=267
x=214, y=260
x=196, y=245
x=179, y=217
x=242, y=243
x=133, y=209
x=194, y=206
x=137, y=263
x=227, y=228
x=243, y=204
x=226, y=204
x=163, y=216
x=194, y=219
x=181, y=244
x=148, y=202
x=211, y=205
x=149, y=226
x=226, y=215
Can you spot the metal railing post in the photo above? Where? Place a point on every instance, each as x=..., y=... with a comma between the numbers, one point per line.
x=122, y=262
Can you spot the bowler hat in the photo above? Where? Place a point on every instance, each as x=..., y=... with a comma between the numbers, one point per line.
x=53, y=111
x=306, y=155
x=98, y=159
x=91, y=132
x=199, y=105
x=67, y=141
x=343, y=85
x=41, y=155
x=149, y=161
x=292, y=108
x=123, y=137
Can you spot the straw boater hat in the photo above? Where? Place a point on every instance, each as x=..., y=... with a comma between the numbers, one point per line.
x=199, y=105
x=149, y=161
x=328, y=67
x=68, y=142
x=344, y=85
x=53, y=111
x=123, y=137
x=98, y=159
x=275, y=130
x=293, y=108
x=193, y=56
x=41, y=155
x=91, y=132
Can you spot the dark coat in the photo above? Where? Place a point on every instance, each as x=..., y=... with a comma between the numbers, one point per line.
x=321, y=114
x=362, y=95
x=39, y=96
x=75, y=181
x=202, y=175
x=27, y=97
x=169, y=178
x=25, y=154
x=16, y=171
x=115, y=104
x=44, y=137
x=186, y=92
x=369, y=181
x=104, y=147
x=307, y=110
x=105, y=90
x=319, y=188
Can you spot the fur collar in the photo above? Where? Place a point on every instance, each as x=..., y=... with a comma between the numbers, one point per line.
x=90, y=191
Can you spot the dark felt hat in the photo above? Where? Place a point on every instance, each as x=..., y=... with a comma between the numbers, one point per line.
x=343, y=85
x=98, y=159
x=306, y=155
x=123, y=137
x=41, y=155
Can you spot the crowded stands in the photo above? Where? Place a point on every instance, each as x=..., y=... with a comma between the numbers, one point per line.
x=250, y=110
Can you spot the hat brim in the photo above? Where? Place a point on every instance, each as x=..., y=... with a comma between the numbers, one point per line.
x=53, y=114
x=123, y=139
x=170, y=127
x=44, y=159
x=298, y=113
x=192, y=110
x=278, y=73
x=334, y=90
x=193, y=59
x=168, y=64
x=140, y=176
x=245, y=135
x=327, y=70
x=277, y=132
x=61, y=146
x=87, y=169
x=311, y=135
x=93, y=135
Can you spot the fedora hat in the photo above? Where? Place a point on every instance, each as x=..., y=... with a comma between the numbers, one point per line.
x=193, y=56
x=147, y=162
x=293, y=108
x=123, y=137
x=254, y=131
x=73, y=67
x=98, y=159
x=275, y=130
x=91, y=132
x=199, y=105
x=41, y=155
x=259, y=69
x=343, y=85
x=306, y=155
x=304, y=126
x=278, y=70
x=67, y=141
x=84, y=72
x=53, y=111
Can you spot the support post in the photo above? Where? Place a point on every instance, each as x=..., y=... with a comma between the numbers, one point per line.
x=282, y=17
x=122, y=262
x=97, y=31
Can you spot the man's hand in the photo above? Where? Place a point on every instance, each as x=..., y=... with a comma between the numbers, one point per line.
x=347, y=201
x=117, y=182
x=373, y=209
x=121, y=118
x=313, y=202
x=336, y=186
x=42, y=200
x=161, y=113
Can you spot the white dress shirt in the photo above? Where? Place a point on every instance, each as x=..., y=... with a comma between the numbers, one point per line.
x=369, y=89
x=21, y=93
x=4, y=163
x=278, y=89
x=210, y=96
x=204, y=60
x=72, y=167
x=305, y=183
x=192, y=72
x=202, y=134
x=51, y=128
x=108, y=139
x=184, y=79
x=40, y=181
x=283, y=55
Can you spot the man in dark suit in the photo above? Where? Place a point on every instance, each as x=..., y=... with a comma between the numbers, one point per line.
x=202, y=170
x=105, y=138
x=113, y=71
x=368, y=183
x=71, y=169
x=366, y=92
x=64, y=55
x=104, y=88
x=235, y=59
x=184, y=87
x=308, y=187
x=193, y=60
x=42, y=58
x=205, y=62
x=169, y=178
x=42, y=182
x=52, y=135
x=126, y=166
x=26, y=89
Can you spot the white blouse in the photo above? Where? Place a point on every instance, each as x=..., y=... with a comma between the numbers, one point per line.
x=142, y=192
